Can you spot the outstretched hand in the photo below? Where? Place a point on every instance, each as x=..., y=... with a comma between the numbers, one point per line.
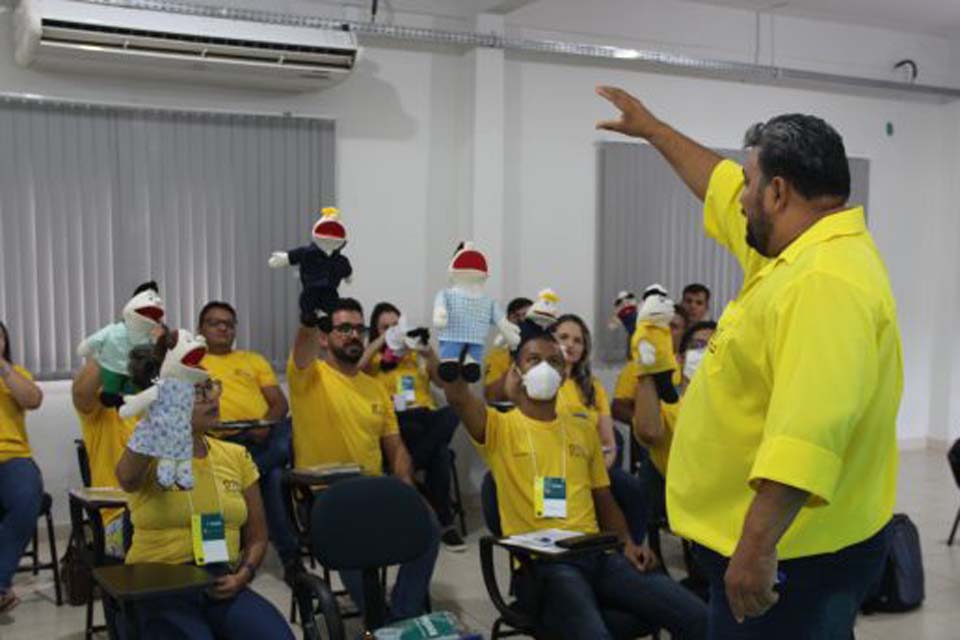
x=635, y=119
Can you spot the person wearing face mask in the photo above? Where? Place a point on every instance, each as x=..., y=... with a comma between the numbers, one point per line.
x=535, y=450
x=783, y=467
x=342, y=415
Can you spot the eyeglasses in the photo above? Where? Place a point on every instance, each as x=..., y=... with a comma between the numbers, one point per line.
x=222, y=324
x=206, y=391
x=345, y=329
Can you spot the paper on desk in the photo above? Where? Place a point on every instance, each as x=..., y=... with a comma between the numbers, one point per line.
x=542, y=541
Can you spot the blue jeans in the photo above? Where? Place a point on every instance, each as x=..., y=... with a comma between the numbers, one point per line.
x=451, y=350
x=819, y=596
x=197, y=616
x=271, y=458
x=631, y=494
x=568, y=597
x=412, y=587
x=21, y=491
x=427, y=434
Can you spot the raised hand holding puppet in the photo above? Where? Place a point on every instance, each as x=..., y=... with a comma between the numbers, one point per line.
x=322, y=267
x=543, y=312
x=399, y=340
x=625, y=312
x=652, y=344
x=463, y=315
x=110, y=346
x=165, y=431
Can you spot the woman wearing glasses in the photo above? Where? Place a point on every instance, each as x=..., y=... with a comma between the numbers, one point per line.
x=224, y=511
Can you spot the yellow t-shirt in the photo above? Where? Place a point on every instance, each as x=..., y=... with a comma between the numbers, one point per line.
x=13, y=428
x=496, y=364
x=337, y=418
x=161, y=517
x=517, y=448
x=800, y=385
x=627, y=390
x=243, y=375
x=408, y=381
x=105, y=435
x=570, y=399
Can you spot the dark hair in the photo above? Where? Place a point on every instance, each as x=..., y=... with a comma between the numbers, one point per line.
x=803, y=150
x=346, y=304
x=688, y=334
x=581, y=373
x=518, y=303
x=530, y=331
x=380, y=309
x=695, y=288
x=216, y=304
x=150, y=285
x=6, y=343
x=680, y=311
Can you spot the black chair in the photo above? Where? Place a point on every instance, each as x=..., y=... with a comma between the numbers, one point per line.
x=365, y=524
x=456, y=500
x=953, y=457
x=83, y=462
x=35, y=566
x=514, y=620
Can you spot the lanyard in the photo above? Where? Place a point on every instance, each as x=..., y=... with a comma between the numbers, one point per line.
x=533, y=452
x=213, y=476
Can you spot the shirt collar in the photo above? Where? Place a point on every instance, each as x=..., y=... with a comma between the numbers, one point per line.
x=849, y=222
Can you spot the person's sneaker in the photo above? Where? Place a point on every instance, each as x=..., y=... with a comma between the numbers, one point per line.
x=452, y=541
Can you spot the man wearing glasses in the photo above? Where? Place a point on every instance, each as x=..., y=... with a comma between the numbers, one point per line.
x=251, y=393
x=342, y=415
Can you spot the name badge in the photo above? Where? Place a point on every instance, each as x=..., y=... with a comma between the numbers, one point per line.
x=406, y=395
x=550, y=497
x=209, y=534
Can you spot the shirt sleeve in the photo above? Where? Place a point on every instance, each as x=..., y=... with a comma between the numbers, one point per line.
x=825, y=366
x=300, y=379
x=249, y=475
x=601, y=400
x=390, y=425
x=23, y=372
x=627, y=382
x=492, y=434
x=723, y=218
x=295, y=256
x=264, y=372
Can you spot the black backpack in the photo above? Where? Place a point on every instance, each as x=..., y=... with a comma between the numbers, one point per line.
x=901, y=586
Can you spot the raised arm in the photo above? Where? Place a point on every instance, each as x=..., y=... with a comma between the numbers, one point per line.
x=647, y=422
x=23, y=390
x=470, y=408
x=372, y=349
x=693, y=162
x=86, y=385
x=306, y=347
x=131, y=470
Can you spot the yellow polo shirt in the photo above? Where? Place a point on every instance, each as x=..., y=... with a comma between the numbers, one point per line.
x=407, y=377
x=571, y=400
x=161, y=517
x=338, y=418
x=801, y=385
x=627, y=390
x=243, y=375
x=13, y=427
x=517, y=448
x=496, y=364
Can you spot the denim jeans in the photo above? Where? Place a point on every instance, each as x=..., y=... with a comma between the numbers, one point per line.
x=427, y=434
x=197, y=616
x=568, y=597
x=631, y=495
x=819, y=595
x=412, y=587
x=271, y=458
x=21, y=492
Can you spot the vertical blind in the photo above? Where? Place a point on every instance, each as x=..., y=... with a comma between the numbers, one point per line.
x=650, y=229
x=95, y=200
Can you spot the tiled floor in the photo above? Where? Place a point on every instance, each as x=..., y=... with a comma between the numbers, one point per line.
x=927, y=494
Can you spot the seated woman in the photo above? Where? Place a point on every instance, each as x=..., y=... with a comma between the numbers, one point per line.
x=582, y=393
x=21, y=487
x=225, y=489
x=426, y=430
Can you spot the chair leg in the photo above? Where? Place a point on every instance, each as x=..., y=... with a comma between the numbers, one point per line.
x=953, y=531
x=458, y=497
x=35, y=552
x=54, y=558
x=293, y=608
x=88, y=632
x=495, y=632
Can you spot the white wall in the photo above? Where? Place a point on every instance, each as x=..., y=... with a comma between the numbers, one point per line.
x=407, y=119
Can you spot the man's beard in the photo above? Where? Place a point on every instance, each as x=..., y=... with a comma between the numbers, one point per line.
x=759, y=230
x=347, y=353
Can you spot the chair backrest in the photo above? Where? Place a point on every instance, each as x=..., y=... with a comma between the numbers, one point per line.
x=83, y=461
x=953, y=457
x=488, y=503
x=369, y=523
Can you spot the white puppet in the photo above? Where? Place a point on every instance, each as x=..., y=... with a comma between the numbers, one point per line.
x=165, y=432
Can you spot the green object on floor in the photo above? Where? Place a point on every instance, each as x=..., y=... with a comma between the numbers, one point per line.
x=440, y=625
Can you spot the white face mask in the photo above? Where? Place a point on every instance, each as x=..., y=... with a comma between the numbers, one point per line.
x=542, y=382
x=691, y=362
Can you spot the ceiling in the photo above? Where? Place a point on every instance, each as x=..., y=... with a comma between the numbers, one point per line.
x=933, y=17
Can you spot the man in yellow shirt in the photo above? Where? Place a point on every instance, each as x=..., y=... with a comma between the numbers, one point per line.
x=537, y=456
x=784, y=461
x=340, y=414
x=251, y=393
x=498, y=359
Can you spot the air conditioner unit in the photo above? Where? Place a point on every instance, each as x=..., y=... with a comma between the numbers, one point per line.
x=76, y=36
